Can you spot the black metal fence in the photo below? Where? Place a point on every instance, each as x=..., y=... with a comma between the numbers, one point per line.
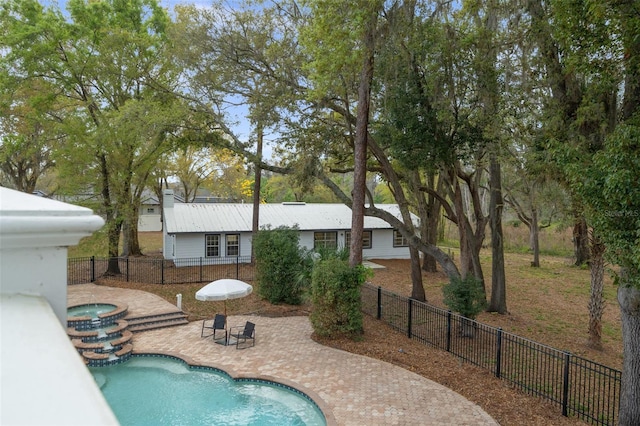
x=581, y=388
x=157, y=270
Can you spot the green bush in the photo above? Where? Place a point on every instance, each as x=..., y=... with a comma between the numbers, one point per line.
x=465, y=296
x=335, y=291
x=280, y=265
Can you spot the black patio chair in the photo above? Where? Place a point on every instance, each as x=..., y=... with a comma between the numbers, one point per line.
x=218, y=325
x=245, y=335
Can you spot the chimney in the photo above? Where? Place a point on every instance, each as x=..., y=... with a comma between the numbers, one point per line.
x=167, y=198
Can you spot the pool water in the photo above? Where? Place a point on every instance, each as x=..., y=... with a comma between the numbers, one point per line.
x=165, y=391
x=90, y=310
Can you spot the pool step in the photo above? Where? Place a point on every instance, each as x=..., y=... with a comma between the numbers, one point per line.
x=98, y=359
x=152, y=322
x=103, y=346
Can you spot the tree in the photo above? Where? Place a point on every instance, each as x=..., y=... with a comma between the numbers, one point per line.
x=330, y=21
x=335, y=291
x=100, y=58
x=320, y=118
x=193, y=167
x=27, y=135
x=535, y=200
x=486, y=18
x=280, y=265
x=465, y=296
x=612, y=194
x=606, y=184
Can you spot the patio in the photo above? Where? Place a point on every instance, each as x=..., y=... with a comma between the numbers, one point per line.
x=350, y=389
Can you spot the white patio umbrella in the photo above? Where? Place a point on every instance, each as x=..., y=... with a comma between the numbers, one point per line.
x=224, y=289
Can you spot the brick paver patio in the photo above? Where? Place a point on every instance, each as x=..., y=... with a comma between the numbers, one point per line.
x=350, y=389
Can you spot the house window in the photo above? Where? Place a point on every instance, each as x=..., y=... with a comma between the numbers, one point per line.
x=366, y=239
x=399, y=240
x=151, y=210
x=325, y=240
x=212, y=245
x=233, y=244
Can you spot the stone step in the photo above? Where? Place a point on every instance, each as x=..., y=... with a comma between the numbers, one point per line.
x=95, y=356
x=126, y=338
x=151, y=322
x=100, y=346
x=132, y=321
x=152, y=325
x=126, y=350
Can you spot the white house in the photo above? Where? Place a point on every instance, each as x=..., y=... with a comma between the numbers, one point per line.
x=220, y=232
x=149, y=215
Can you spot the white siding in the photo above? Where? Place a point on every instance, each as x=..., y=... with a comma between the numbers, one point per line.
x=306, y=240
x=245, y=243
x=382, y=246
x=189, y=245
x=168, y=246
x=193, y=246
x=149, y=218
x=149, y=223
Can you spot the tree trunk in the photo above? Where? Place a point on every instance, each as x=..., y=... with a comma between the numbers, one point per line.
x=628, y=296
x=476, y=245
x=596, y=297
x=629, y=300
x=255, y=224
x=463, y=232
x=430, y=229
x=417, y=289
x=113, y=222
x=426, y=209
x=498, y=301
x=533, y=235
x=360, y=143
x=581, y=241
x=131, y=243
x=113, y=237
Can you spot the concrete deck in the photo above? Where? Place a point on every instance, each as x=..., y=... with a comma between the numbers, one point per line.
x=350, y=389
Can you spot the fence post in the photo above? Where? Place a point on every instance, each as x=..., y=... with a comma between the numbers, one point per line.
x=237, y=267
x=448, y=331
x=93, y=269
x=565, y=385
x=499, y=352
x=162, y=271
x=127, y=265
x=379, y=313
x=410, y=314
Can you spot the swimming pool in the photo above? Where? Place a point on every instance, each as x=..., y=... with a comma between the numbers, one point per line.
x=154, y=390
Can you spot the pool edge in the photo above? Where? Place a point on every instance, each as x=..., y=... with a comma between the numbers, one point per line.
x=310, y=395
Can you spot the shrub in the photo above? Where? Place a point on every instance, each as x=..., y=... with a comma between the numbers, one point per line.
x=335, y=291
x=279, y=262
x=465, y=296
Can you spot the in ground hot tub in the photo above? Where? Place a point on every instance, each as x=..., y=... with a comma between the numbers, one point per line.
x=94, y=315
x=99, y=333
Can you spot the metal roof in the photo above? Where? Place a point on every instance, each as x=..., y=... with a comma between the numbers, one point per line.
x=219, y=217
